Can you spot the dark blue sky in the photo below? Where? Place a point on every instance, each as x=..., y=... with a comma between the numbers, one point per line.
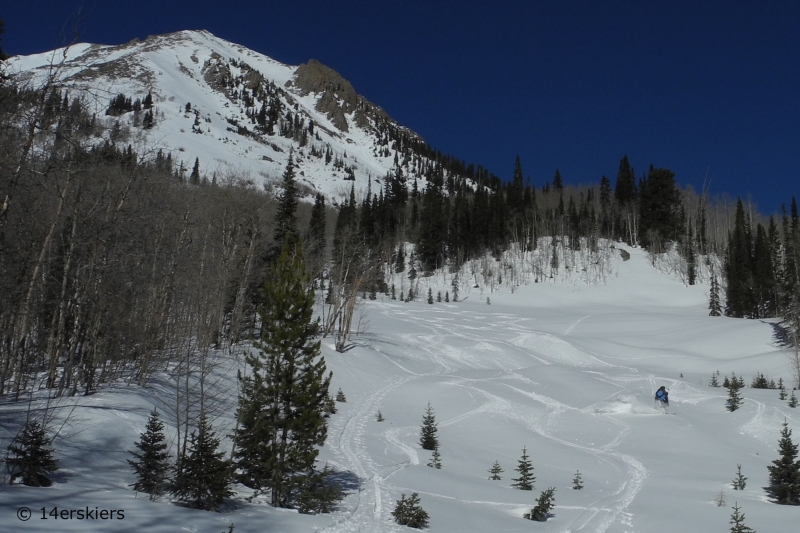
x=702, y=87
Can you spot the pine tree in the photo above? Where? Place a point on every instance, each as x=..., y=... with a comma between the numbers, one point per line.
x=734, y=400
x=784, y=473
x=439, y=296
x=340, y=397
x=328, y=406
x=714, y=305
x=792, y=400
x=408, y=512
x=495, y=471
x=379, y=416
x=194, y=177
x=739, y=482
x=577, y=481
x=737, y=521
x=203, y=477
x=544, y=505
x=714, y=381
x=436, y=459
x=447, y=296
x=151, y=464
x=525, y=469
x=281, y=405
x=320, y=494
x=427, y=434
x=285, y=219
x=430, y=295
x=30, y=456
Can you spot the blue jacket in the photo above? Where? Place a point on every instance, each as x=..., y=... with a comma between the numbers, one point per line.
x=662, y=396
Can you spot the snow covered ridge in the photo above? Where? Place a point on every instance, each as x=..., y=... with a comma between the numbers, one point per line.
x=235, y=110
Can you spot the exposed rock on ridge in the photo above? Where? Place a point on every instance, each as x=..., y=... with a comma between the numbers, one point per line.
x=337, y=96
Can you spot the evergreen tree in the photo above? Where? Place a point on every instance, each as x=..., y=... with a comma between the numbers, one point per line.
x=285, y=219
x=739, y=268
x=544, y=505
x=793, y=400
x=379, y=416
x=577, y=481
x=525, y=469
x=281, y=405
x=714, y=305
x=320, y=494
x=714, y=381
x=340, y=397
x=737, y=521
x=447, y=296
x=782, y=388
x=30, y=456
x=436, y=459
x=734, y=400
x=408, y=512
x=430, y=296
x=427, y=434
x=784, y=473
x=202, y=477
x=151, y=464
x=739, y=482
x=194, y=177
x=495, y=471
x=316, y=228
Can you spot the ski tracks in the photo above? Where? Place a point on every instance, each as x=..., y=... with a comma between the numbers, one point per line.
x=366, y=511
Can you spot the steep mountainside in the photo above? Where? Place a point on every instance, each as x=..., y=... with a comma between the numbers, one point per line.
x=238, y=112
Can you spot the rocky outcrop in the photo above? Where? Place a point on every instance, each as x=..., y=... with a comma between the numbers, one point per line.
x=337, y=98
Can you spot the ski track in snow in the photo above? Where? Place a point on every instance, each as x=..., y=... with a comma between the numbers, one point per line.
x=600, y=515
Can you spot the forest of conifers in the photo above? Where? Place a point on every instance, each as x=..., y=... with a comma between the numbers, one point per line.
x=114, y=263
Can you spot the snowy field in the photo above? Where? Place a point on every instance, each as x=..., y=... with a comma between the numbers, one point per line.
x=564, y=369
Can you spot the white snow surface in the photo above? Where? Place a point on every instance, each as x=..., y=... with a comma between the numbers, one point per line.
x=171, y=67
x=566, y=370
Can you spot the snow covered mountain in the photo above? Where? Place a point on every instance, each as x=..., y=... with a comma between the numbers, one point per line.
x=236, y=111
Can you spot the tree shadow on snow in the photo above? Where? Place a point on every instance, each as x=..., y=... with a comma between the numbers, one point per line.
x=780, y=335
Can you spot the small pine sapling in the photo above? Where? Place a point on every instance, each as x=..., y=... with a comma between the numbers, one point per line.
x=734, y=400
x=328, y=406
x=439, y=296
x=577, y=481
x=379, y=416
x=784, y=472
x=436, y=459
x=427, y=434
x=525, y=469
x=719, y=500
x=151, y=464
x=495, y=471
x=340, y=397
x=544, y=505
x=30, y=456
x=739, y=482
x=430, y=295
x=714, y=382
x=394, y=295
x=408, y=512
x=793, y=400
x=737, y=521
x=447, y=296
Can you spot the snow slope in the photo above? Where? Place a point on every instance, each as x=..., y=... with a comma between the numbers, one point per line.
x=173, y=68
x=564, y=369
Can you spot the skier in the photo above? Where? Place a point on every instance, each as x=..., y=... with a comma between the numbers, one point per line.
x=662, y=395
